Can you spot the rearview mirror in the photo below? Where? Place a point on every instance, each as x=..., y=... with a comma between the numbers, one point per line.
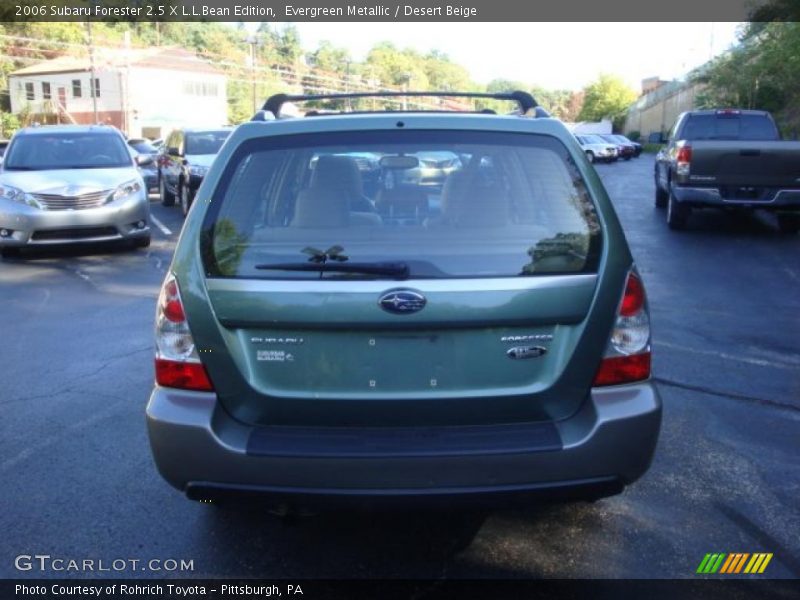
x=399, y=162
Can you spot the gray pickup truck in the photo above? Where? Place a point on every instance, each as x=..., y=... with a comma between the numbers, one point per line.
x=730, y=159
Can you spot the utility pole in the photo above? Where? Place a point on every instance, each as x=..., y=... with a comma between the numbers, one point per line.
x=254, y=41
x=91, y=68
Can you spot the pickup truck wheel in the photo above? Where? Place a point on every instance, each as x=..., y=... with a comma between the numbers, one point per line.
x=661, y=196
x=167, y=199
x=590, y=156
x=677, y=213
x=789, y=223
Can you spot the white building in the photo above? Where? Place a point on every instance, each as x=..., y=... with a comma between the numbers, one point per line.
x=143, y=92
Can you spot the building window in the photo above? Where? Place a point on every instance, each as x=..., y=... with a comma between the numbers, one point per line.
x=29, y=93
x=96, y=87
x=46, y=90
x=200, y=88
x=76, y=88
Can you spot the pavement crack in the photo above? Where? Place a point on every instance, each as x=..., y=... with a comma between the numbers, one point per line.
x=721, y=394
x=767, y=541
x=69, y=385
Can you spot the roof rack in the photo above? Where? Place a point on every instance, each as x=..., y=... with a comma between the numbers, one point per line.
x=527, y=104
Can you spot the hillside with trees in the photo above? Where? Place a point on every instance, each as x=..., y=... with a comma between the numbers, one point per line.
x=762, y=72
x=271, y=59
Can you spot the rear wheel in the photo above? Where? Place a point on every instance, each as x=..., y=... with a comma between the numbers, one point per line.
x=167, y=199
x=789, y=223
x=677, y=213
x=590, y=156
x=662, y=197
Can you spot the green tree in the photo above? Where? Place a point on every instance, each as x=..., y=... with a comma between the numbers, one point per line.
x=608, y=97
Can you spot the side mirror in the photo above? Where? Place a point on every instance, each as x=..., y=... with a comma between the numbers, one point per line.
x=142, y=160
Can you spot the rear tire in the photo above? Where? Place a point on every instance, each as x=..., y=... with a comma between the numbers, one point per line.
x=167, y=199
x=789, y=223
x=677, y=213
x=590, y=157
x=662, y=197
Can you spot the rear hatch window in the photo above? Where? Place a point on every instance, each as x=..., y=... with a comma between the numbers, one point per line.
x=400, y=205
x=730, y=126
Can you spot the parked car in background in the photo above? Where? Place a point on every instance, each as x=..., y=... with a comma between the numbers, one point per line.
x=597, y=149
x=147, y=164
x=434, y=168
x=494, y=342
x=637, y=147
x=626, y=149
x=148, y=168
x=184, y=161
x=68, y=184
x=731, y=159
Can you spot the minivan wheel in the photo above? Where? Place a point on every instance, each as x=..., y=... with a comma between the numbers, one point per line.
x=167, y=199
x=677, y=213
x=186, y=201
x=590, y=156
x=789, y=223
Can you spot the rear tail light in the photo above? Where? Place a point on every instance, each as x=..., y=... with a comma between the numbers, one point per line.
x=177, y=362
x=683, y=159
x=627, y=358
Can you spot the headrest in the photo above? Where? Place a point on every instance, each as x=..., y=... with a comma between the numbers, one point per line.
x=337, y=172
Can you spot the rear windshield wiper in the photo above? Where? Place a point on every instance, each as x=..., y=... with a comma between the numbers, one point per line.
x=398, y=270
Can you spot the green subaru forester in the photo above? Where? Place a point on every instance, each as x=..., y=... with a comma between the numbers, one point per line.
x=402, y=304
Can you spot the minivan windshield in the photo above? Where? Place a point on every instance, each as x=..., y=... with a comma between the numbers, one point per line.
x=398, y=205
x=205, y=142
x=62, y=150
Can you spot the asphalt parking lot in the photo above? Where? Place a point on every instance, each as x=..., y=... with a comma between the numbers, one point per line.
x=78, y=481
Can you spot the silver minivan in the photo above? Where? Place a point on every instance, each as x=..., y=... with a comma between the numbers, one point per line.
x=68, y=184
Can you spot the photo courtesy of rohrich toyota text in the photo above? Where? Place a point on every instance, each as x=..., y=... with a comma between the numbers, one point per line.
x=362, y=299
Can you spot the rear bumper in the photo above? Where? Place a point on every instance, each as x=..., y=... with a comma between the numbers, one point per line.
x=609, y=443
x=776, y=199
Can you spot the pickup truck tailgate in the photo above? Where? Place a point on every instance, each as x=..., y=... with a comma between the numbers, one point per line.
x=739, y=163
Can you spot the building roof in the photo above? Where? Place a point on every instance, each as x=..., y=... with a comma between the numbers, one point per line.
x=171, y=58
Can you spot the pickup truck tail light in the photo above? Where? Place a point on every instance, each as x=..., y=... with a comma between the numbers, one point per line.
x=683, y=159
x=627, y=358
x=177, y=362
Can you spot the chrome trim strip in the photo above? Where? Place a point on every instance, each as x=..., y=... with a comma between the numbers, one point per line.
x=709, y=191
x=500, y=284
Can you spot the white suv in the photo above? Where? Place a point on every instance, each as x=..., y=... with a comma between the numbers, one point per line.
x=597, y=149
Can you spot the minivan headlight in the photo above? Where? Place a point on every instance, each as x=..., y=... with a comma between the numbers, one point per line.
x=17, y=195
x=126, y=189
x=12, y=193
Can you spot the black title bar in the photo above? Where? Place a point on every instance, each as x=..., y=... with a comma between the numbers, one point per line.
x=408, y=11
